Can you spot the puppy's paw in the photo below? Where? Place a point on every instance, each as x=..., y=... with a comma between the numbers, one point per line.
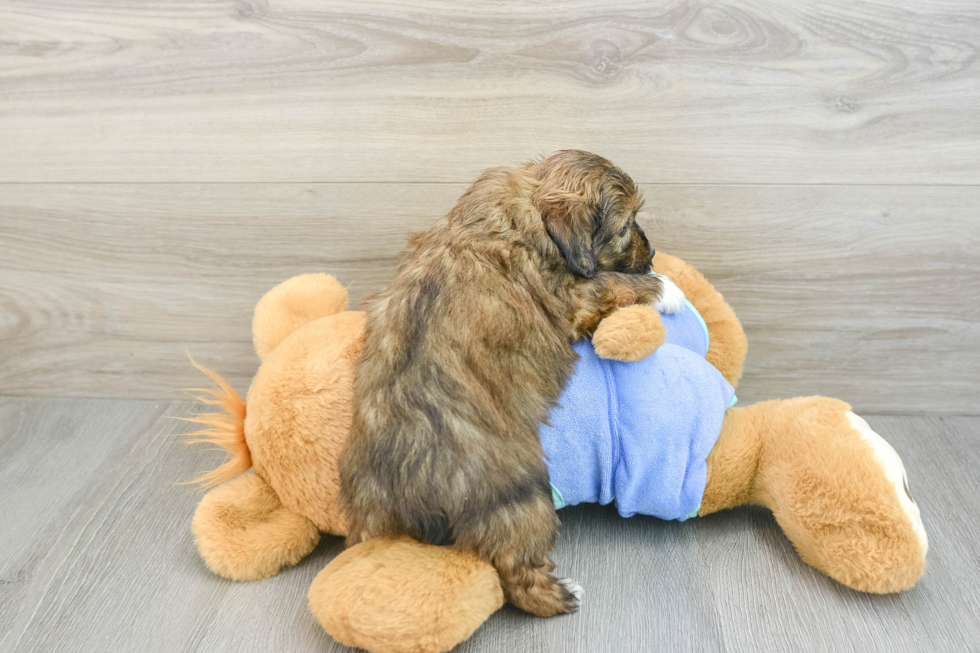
x=673, y=297
x=630, y=334
x=573, y=594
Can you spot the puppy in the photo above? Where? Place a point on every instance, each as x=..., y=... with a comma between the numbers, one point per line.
x=468, y=349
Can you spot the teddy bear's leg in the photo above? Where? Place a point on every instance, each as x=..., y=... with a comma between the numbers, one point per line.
x=401, y=596
x=836, y=488
x=243, y=532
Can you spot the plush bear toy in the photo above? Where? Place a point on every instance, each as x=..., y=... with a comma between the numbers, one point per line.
x=836, y=487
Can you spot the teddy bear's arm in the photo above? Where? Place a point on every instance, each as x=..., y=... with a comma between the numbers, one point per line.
x=243, y=531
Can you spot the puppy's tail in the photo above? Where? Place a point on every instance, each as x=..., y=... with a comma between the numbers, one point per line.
x=225, y=428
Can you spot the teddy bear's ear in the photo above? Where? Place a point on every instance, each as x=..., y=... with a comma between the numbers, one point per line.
x=292, y=304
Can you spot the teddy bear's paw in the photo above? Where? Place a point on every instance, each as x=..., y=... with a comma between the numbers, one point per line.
x=894, y=471
x=672, y=299
x=243, y=532
x=401, y=596
x=630, y=334
x=573, y=588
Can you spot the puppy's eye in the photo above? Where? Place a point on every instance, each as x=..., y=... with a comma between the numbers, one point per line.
x=626, y=228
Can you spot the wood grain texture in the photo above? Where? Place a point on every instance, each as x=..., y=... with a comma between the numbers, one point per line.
x=96, y=554
x=818, y=161
x=871, y=294
x=675, y=91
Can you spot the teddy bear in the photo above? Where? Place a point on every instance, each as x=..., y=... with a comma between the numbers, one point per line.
x=837, y=489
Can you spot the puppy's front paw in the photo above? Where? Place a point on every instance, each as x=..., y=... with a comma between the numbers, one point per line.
x=673, y=297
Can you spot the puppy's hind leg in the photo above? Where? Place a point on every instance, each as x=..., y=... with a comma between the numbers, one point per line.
x=536, y=591
x=522, y=536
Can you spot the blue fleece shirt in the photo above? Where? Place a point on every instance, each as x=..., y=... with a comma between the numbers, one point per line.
x=639, y=433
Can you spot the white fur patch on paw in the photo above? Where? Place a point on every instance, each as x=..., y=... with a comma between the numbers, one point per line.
x=894, y=470
x=572, y=587
x=673, y=297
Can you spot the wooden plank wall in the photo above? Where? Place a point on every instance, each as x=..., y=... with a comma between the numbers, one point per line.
x=163, y=164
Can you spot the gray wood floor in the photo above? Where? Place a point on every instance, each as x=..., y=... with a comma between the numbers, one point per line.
x=96, y=555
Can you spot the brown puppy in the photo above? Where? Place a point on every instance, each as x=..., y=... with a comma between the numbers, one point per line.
x=468, y=349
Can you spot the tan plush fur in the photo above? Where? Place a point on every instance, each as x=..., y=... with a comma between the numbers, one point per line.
x=727, y=343
x=296, y=421
x=299, y=414
x=801, y=457
x=399, y=596
x=630, y=334
x=288, y=306
x=244, y=533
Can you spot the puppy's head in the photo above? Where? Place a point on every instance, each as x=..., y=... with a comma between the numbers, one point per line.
x=589, y=210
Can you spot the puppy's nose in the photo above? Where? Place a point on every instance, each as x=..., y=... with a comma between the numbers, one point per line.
x=653, y=252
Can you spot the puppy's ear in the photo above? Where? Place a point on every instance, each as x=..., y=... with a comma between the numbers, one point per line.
x=568, y=220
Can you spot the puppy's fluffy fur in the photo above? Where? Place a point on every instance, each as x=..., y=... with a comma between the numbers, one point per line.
x=468, y=349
